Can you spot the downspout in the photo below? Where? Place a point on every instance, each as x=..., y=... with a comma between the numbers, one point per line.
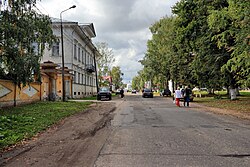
x=85, y=69
x=72, y=59
x=96, y=80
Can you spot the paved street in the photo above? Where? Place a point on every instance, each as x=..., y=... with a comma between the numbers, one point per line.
x=150, y=132
x=144, y=132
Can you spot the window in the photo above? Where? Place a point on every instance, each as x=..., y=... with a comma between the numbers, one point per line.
x=55, y=49
x=79, y=54
x=79, y=80
x=91, y=60
x=75, y=53
x=82, y=79
x=74, y=76
x=82, y=56
x=35, y=46
x=87, y=58
x=87, y=80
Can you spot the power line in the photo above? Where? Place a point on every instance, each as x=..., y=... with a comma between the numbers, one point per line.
x=40, y=4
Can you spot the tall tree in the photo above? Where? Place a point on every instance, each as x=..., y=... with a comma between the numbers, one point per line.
x=157, y=60
x=232, y=32
x=104, y=62
x=195, y=44
x=24, y=34
x=116, y=74
x=138, y=82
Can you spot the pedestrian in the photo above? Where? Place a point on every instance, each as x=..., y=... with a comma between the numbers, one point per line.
x=122, y=92
x=186, y=94
x=178, y=96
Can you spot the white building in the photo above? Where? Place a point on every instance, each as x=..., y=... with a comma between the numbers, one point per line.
x=79, y=56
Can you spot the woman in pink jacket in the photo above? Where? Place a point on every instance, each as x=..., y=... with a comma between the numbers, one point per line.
x=178, y=96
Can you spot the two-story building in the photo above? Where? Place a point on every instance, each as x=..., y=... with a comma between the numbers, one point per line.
x=80, y=56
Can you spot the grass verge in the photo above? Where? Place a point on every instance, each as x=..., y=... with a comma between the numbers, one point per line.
x=242, y=104
x=23, y=122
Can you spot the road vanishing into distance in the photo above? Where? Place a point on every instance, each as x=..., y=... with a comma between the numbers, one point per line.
x=153, y=132
x=140, y=132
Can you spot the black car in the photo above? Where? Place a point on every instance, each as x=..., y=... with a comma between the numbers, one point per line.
x=133, y=91
x=166, y=92
x=104, y=93
x=147, y=93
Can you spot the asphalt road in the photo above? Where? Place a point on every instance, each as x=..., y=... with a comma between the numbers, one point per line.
x=153, y=132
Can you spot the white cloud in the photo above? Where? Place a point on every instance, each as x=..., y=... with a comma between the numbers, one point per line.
x=123, y=24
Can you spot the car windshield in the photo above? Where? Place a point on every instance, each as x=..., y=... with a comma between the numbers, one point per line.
x=104, y=89
x=147, y=90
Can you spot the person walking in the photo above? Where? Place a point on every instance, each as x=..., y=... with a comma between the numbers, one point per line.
x=122, y=92
x=178, y=96
x=186, y=94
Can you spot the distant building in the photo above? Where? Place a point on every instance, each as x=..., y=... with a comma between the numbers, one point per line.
x=129, y=86
x=79, y=55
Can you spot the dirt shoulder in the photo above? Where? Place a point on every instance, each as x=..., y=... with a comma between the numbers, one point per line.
x=238, y=114
x=66, y=142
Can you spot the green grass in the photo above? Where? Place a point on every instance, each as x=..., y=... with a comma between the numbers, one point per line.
x=242, y=104
x=89, y=98
x=23, y=122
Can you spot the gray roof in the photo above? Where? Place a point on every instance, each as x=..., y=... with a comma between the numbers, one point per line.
x=88, y=27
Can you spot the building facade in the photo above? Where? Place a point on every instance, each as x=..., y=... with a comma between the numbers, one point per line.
x=50, y=87
x=79, y=56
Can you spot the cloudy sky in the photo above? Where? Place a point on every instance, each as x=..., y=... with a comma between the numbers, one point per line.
x=123, y=24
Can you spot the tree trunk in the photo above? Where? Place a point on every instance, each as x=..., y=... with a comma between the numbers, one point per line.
x=232, y=93
x=209, y=91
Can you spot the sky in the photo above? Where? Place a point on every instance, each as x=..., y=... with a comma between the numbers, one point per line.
x=122, y=24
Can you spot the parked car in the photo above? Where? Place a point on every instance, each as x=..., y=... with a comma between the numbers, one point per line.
x=147, y=93
x=104, y=93
x=166, y=92
x=133, y=91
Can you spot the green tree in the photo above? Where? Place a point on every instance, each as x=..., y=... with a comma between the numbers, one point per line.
x=232, y=28
x=136, y=83
x=116, y=77
x=195, y=45
x=23, y=36
x=105, y=62
x=139, y=80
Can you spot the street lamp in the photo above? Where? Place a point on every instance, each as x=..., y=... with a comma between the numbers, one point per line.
x=63, y=84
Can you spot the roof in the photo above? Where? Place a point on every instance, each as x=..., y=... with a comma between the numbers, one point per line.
x=88, y=28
